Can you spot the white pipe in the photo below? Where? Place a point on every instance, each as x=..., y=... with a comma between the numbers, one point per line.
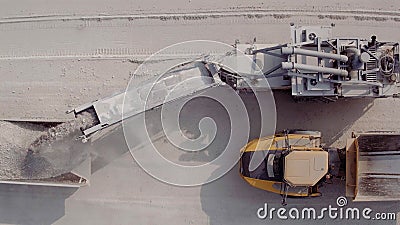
x=299, y=51
x=291, y=65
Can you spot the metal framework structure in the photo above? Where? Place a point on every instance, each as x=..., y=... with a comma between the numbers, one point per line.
x=313, y=65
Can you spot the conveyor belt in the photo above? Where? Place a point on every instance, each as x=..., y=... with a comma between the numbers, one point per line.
x=151, y=94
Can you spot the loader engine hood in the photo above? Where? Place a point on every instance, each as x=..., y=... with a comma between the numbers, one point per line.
x=305, y=168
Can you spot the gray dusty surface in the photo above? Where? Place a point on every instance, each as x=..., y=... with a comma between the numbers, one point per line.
x=60, y=54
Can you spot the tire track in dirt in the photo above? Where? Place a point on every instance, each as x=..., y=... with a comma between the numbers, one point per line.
x=359, y=15
x=228, y=17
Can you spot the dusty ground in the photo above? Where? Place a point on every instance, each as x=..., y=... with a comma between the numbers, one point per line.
x=62, y=56
x=57, y=55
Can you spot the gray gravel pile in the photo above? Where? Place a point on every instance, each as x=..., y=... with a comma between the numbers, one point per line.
x=14, y=137
x=30, y=151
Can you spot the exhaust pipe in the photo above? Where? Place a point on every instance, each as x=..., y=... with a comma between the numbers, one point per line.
x=292, y=65
x=299, y=51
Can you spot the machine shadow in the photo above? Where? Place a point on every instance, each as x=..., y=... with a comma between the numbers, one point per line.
x=107, y=146
x=230, y=200
x=333, y=119
x=23, y=204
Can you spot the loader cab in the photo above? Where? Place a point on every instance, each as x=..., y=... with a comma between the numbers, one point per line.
x=269, y=166
x=289, y=164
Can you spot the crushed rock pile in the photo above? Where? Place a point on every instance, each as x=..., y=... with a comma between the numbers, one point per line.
x=33, y=151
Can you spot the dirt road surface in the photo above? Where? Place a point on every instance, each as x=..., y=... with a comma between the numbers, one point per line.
x=56, y=55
